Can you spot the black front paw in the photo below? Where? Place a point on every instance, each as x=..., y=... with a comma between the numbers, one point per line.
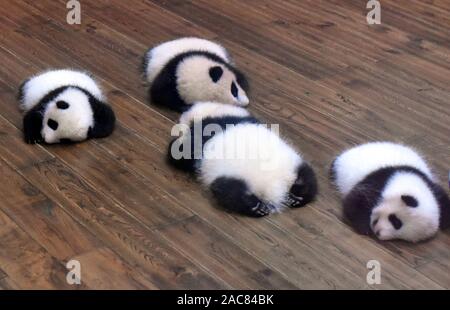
x=32, y=126
x=260, y=209
x=293, y=201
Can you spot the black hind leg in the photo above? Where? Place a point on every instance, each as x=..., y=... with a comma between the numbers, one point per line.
x=185, y=164
x=304, y=189
x=234, y=195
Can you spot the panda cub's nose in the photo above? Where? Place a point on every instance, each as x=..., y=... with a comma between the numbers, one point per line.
x=243, y=100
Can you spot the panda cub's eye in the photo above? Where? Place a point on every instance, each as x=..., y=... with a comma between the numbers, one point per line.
x=62, y=105
x=234, y=89
x=52, y=124
x=375, y=222
x=395, y=221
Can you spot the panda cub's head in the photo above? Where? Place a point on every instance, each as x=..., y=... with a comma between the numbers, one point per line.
x=407, y=209
x=67, y=118
x=68, y=114
x=201, y=78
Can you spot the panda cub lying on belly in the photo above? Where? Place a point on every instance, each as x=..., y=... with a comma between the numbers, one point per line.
x=188, y=70
x=64, y=106
x=248, y=167
x=390, y=192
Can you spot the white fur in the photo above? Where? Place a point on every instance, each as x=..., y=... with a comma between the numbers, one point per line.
x=160, y=55
x=194, y=83
x=354, y=165
x=40, y=85
x=419, y=223
x=73, y=122
x=203, y=110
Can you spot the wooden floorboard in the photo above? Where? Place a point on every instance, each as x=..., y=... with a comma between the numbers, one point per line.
x=315, y=67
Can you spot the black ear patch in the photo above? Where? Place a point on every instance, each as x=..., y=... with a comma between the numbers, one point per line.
x=234, y=89
x=410, y=201
x=104, y=119
x=62, y=105
x=52, y=124
x=395, y=221
x=215, y=73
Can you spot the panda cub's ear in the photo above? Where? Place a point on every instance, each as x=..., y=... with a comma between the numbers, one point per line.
x=104, y=119
x=410, y=201
x=215, y=73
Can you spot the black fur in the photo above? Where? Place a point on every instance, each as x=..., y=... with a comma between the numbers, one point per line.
x=234, y=195
x=395, y=221
x=163, y=90
x=32, y=126
x=104, y=119
x=305, y=188
x=215, y=73
x=185, y=164
x=410, y=201
x=144, y=63
x=358, y=204
x=52, y=124
x=62, y=105
x=20, y=93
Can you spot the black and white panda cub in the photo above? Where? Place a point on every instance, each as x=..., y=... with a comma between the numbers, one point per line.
x=247, y=166
x=187, y=70
x=390, y=192
x=64, y=106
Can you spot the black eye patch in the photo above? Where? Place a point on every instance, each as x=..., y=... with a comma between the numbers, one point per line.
x=410, y=201
x=52, y=124
x=215, y=73
x=395, y=221
x=234, y=89
x=62, y=105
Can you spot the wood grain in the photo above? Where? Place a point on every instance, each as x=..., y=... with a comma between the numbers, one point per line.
x=315, y=67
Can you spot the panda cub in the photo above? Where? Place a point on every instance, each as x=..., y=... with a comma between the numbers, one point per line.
x=187, y=70
x=64, y=106
x=390, y=192
x=248, y=167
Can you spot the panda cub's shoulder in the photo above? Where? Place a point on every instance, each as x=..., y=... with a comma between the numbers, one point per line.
x=356, y=163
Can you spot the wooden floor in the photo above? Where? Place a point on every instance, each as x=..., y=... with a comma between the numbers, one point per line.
x=133, y=222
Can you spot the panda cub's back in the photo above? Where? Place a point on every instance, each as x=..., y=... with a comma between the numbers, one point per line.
x=355, y=164
x=255, y=154
x=38, y=86
x=159, y=56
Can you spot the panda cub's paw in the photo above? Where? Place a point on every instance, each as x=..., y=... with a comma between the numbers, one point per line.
x=293, y=201
x=261, y=209
x=304, y=189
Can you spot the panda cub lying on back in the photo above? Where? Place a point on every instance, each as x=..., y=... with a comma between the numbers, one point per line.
x=187, y=70
x=390, y=192
x=248, y=167
x=64, y=106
